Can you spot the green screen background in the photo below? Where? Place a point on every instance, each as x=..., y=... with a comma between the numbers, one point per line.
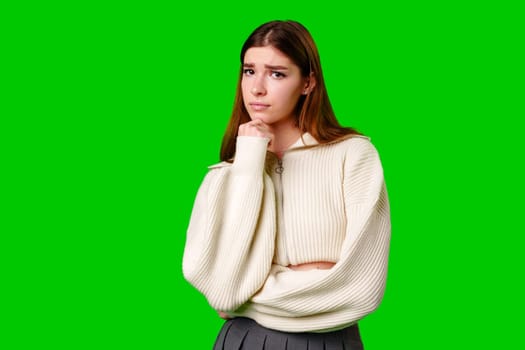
x=111, y=113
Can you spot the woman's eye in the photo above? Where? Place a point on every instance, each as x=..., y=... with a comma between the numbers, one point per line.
x=248, y=71
x=278, y=75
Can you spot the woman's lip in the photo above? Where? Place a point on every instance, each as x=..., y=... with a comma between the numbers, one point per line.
x=258, y=106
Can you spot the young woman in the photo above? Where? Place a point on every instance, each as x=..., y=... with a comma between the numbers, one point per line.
x=289, y=234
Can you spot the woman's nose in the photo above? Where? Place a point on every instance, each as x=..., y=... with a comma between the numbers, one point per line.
x=258, y=87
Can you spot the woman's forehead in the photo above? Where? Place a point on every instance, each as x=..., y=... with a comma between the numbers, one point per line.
x=267, y=55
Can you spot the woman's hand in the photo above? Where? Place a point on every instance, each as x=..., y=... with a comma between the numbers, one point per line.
x=223, y=315
x=256, y=128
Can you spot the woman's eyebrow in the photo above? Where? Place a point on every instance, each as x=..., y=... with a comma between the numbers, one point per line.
x=275, y=67
x=267, y=66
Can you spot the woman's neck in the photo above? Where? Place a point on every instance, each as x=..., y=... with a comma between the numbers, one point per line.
x=284, y=137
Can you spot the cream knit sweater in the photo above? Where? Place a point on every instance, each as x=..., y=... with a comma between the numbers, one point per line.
x=249, y=222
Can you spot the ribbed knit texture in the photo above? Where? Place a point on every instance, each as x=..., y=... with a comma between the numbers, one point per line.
x=250, y=222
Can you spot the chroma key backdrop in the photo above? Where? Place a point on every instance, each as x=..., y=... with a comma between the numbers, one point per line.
x=112, y=111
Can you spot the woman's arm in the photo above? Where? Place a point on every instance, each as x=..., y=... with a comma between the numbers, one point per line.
x=231, y=236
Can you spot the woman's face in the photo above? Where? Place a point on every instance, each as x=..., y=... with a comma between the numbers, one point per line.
x=271, y=85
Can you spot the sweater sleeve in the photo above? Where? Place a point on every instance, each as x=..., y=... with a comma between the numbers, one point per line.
x=317, y=300
x=231, y=236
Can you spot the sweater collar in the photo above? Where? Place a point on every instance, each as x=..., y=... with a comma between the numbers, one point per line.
x=305, y=140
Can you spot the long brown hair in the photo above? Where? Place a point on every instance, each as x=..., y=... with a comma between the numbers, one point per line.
x=315, y=113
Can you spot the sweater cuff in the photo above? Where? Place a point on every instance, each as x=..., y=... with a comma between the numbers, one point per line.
x=250, y=154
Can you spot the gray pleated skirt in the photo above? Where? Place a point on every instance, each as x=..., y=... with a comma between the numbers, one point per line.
x=245, y=334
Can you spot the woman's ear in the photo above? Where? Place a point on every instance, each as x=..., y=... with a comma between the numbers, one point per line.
x=310, y=84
